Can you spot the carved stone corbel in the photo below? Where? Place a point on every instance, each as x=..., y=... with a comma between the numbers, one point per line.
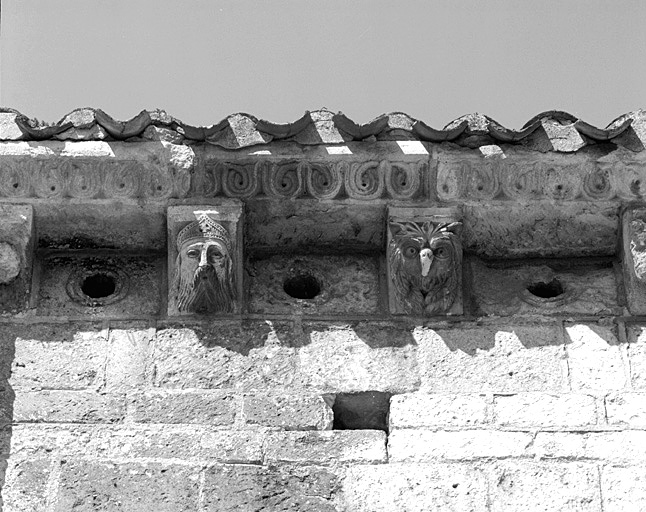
x=424, y=261
x=634, y=259
x=205, y=259
x=17, y=238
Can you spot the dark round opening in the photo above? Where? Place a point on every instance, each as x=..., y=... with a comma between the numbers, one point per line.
x=303, y=286
x=546, y=290
x=98, y=285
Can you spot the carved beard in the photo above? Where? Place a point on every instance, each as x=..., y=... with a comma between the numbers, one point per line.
x=204, y=292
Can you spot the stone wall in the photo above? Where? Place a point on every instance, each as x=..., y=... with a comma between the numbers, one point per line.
x=526, y=401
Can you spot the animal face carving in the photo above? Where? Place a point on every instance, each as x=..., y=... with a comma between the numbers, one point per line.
x=204, y=277
x=638, y=247
x=425, y=260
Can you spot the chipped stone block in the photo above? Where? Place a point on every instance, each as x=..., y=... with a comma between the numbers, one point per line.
x=160, y=406
x=136, y=487
x=545, y=410
x=633, y=228
x=415, y=445
x=594, y=358
x=205, y=259
x=415, y=488
x=475, y=359
x=623, y=488
x=58, y=406
x=424, y=261
x=25, y=485
x=415, y=410
x=356, y=446
x=17, y=239
x=277, y=488
x=544, y=487
x=288, y=412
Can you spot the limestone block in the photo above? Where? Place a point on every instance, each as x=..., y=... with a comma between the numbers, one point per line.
x=252, y=355
x=545, y=410
x=356, y=446
x=500, y=229
x=415, y=445
x=314, y=285
x=594, y=358
x=626, y=409
x=288, y=412
x=360, y=357
x=128, y=352
x=618, y=446
x=17, y=240
x=415, y=488
x=634, y=259
x=9, y=129
x=51, y=356
x=25, y=485
x=276, y=488
x=92, y=485
x=58, y=406
x=623, y=488
x=30, y=441
x=424, y=261
x=205, y=259
x=420, y=410
x=162, y=406
x=538, y=289
x=492, y=358
x=543, y=487
x=637, y=355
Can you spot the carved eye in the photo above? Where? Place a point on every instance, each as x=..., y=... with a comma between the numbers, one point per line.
x=441, y=253
x=215, y=256
x=410, y=251
x=193, y=253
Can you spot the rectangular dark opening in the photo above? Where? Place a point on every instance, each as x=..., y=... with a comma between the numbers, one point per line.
x=366, y=410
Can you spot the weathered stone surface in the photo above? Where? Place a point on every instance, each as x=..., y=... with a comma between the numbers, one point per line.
x=237, y=488
x=623, y=488
x=544, y=487
x=25, y=485
x=505, y=291
x=505, y=358
x=9, y=263
x=16, y=254
x=51, y=356
x=57, y=406
x=626, y=409
x=414, y=445
x=348, y=285
x=634, y=259
x=415, y=488
x=637, y=355
x=545, y=410
x=358, y=446
x=288, y=412
x=626, y=446
x=9, y=129
x=594, y=358
x=128, y=349
x=89, y=486
x=228, y=355
x=160, y=406
x=361, y=357
x=417, y=410
x=538, y=229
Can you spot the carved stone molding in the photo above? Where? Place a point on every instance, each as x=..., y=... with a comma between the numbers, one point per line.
x=16, y=256
x=424, y=261
x=205, y=259
x=634, y=258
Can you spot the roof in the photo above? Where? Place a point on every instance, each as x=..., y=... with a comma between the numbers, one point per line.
x=549, y=131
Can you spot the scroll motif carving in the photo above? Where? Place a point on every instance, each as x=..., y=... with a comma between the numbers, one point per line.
x=84, y=182
x=50, y=182
x=325, y=181
x=284, y=180
x=14, y=180
x=365, y=180
x=204, y=261
x=122, y=180
x=424, y=263
x=402, y=180
x=241, y=181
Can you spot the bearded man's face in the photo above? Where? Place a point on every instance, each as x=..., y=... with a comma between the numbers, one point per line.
x=204, y=277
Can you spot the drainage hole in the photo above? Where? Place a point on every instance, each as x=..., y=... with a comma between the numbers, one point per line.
x=546, y=290
x=98, y=285
x=367, y=410
x=303, y=286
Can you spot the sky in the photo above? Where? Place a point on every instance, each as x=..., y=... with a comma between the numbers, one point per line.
x=201, y=60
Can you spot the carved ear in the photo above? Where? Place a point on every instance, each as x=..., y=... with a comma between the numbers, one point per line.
x=455, y=228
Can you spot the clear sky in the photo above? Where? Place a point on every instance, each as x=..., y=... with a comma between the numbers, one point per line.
x=201, y=60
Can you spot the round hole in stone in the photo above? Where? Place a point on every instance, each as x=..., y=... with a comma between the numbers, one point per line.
x=546, y=290
x=302, y=286
x=98, y=285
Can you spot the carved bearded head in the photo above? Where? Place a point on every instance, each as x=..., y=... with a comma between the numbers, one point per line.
x=204, y=277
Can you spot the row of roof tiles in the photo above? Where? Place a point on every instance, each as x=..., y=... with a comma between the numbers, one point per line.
x=549, y=131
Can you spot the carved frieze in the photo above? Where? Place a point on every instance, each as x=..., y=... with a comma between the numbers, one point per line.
x=424, y=261
x=16, y=256
x=205, y=259
x=634, y=258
